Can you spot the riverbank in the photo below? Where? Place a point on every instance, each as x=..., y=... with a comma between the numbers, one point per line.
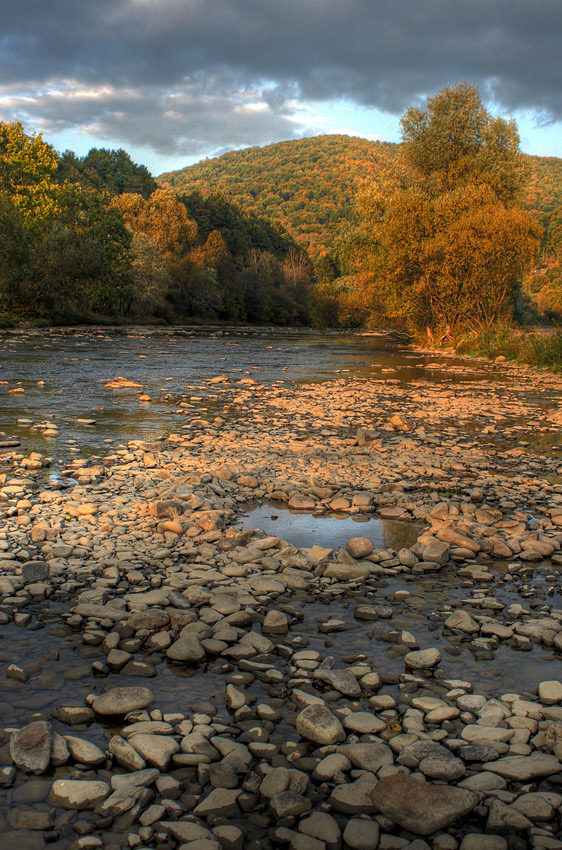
x=293, y=693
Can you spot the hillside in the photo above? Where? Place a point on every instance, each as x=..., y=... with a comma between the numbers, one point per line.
x=309, y=185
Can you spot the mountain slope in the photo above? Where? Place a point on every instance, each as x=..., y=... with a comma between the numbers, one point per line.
x=309, y=185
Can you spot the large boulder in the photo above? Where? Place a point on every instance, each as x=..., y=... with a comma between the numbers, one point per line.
x=421, y=807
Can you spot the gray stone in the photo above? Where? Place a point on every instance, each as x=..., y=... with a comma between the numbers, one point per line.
x=421, y=807
x=30, y=747
x=122, y=700
x=368, y=756
x=34, y=571
x=318, y=724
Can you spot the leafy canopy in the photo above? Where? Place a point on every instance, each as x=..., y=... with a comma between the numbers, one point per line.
x=445, y=246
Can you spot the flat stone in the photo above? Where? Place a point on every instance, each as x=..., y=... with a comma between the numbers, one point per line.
x=125, y=754
x=355, y=798
x=289, y=804
x=421, y=807
x=463, y=622
x=30, y=747
x=220, y=802
x=368, y=756
x=78, y=793
x=122, y=700
x=526, y=768
x=343, y=681
x=422, y=659
x=84, y=751
x=156, y=750
x=35, y=571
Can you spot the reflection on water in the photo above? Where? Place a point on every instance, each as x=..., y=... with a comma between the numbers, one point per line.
x=172, y=364
x=331, y=531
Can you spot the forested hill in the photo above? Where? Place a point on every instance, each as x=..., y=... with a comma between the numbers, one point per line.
x=309, y=185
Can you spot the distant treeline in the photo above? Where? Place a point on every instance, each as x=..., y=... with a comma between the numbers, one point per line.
x=93, y=238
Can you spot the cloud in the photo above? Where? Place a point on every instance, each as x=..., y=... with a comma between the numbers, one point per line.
x=195, y=76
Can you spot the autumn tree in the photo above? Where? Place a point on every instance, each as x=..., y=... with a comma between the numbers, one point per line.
x=446, y=247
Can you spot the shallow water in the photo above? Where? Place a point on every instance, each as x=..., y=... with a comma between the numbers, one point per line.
x=332, y=531
x=172, y=365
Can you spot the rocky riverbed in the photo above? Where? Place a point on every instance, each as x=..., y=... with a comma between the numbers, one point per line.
x=173, y=677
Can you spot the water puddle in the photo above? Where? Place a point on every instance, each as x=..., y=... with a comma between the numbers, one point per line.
x=329, y=530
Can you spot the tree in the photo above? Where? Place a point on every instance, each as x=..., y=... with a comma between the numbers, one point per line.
x=106, y=170
x=446, y=246
x=27, y=165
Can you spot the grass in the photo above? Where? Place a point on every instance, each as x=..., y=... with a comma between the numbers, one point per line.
x=542, y=348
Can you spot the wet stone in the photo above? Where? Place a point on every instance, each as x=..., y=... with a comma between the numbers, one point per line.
x=30, y=747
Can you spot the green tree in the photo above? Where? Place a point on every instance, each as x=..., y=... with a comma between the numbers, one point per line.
x=27, y=165
x=103, y=169
x=446, y=247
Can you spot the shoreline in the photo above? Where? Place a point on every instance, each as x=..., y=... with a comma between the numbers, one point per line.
x=145, y=559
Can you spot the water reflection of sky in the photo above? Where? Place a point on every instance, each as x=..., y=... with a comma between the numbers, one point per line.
x=170, y=364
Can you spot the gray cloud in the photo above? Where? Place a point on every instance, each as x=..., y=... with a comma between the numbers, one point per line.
x=195, y=76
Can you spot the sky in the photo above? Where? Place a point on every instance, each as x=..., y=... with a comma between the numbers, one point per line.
x=175, y=81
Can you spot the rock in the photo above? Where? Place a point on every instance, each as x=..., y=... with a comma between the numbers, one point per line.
x=368, y=756
x=78, y=793
x=346, y=572
x=84, y=751
x=289, y=804
x=30, y=747
x=187, y=649
x=322, y=827
x=363, y=723
x=421, y=807
x=361, y=834
x=506, y=819
x=355, y=798
x=318, y=724
x=484, y=842
x=221, y=802
x=343, y=681
x=34, y=571
x=156, y=750
x=463, y=622
x=124, y=754
x=422, y=659
x=122, y=700
x=550, y=693
x=275, y=623
x=526, y=768
x=359, y=547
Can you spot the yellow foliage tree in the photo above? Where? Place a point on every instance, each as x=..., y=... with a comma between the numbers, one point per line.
x=446, y=248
